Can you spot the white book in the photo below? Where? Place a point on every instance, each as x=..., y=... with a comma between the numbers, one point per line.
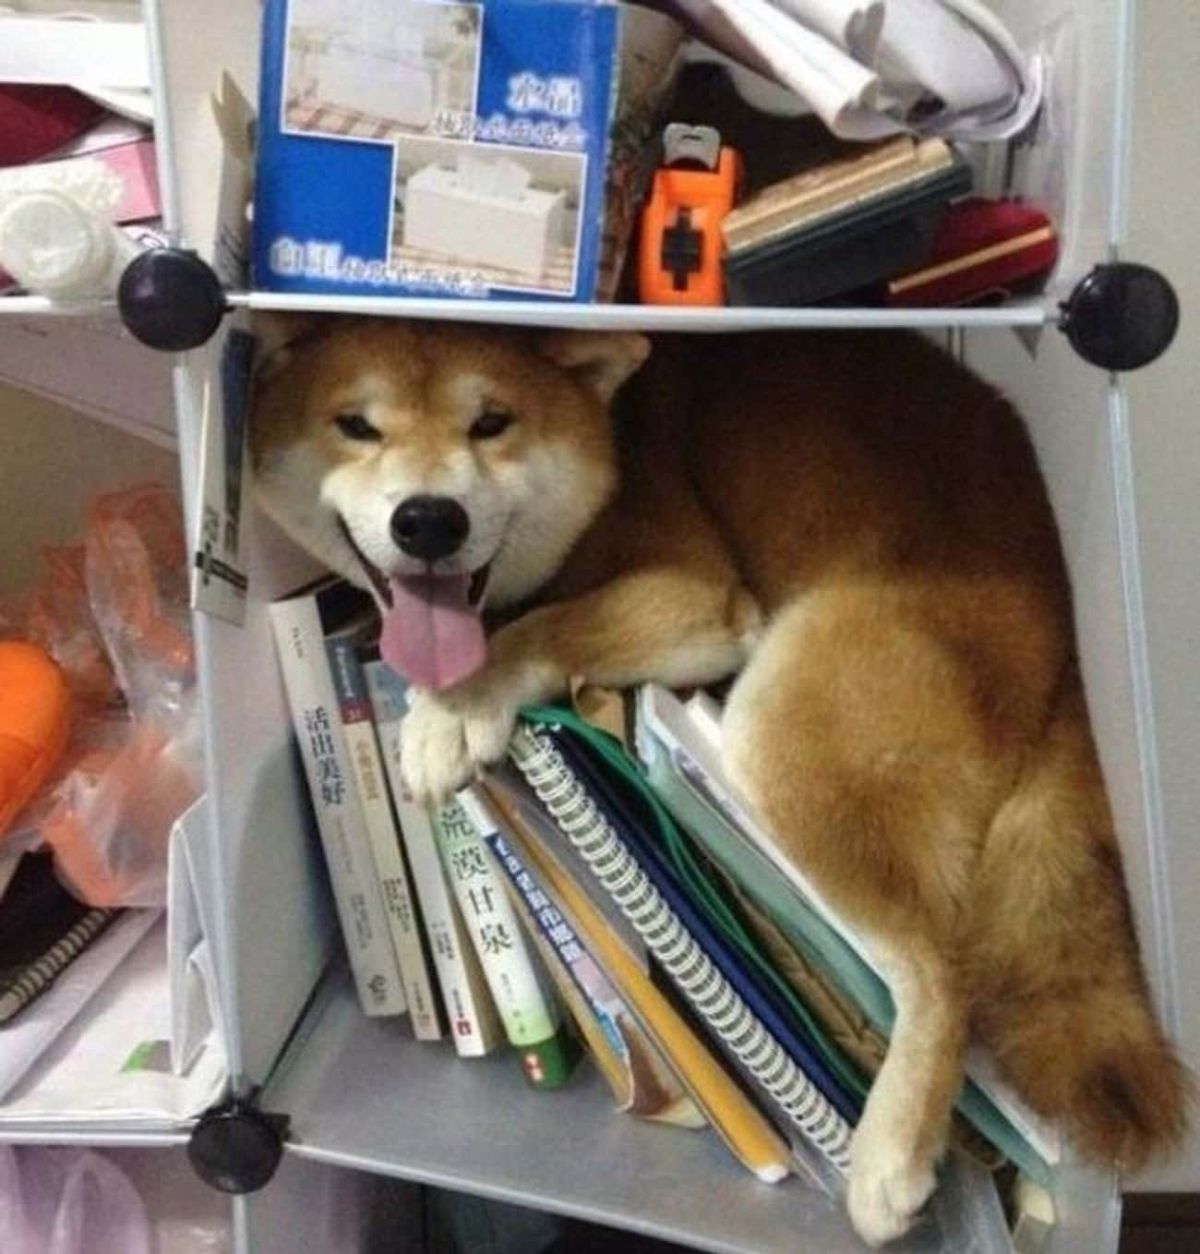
x=350, y=684
x=300, y=643
x=474, y=1023
x=526, y=1007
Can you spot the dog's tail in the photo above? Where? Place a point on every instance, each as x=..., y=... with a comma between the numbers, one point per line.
x=1059, y=993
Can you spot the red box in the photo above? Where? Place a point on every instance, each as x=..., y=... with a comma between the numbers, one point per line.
x=983, y=249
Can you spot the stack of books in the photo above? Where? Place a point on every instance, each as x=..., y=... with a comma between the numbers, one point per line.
x=428, y=926
x=616, y=894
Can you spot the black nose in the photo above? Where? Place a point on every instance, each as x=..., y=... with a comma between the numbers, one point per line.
x=430, y=527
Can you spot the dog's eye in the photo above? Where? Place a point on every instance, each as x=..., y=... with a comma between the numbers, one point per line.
x=491, y=423
x=356, y=427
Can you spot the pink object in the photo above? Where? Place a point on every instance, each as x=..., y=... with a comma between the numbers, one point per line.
x=137, y=166
x=432, y=635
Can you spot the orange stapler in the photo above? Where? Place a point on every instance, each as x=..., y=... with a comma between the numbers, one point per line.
x=679, y=258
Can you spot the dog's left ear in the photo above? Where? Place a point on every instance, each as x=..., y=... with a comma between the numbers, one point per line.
x=600, y=360
x=276, y=335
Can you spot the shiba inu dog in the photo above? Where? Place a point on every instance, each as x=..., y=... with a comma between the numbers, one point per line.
x=854, y=525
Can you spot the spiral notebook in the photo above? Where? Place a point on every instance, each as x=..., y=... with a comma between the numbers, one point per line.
x=43, y=929
x=697, y=977
x=127, y=1030
x=628, y=812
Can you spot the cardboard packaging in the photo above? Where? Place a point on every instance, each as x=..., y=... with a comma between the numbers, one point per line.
x=494, y=150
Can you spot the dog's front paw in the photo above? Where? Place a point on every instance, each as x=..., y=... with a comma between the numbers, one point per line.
x=444, y=744
x=889, y=1182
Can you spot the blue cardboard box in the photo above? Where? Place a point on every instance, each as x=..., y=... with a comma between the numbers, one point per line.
x=491, y=149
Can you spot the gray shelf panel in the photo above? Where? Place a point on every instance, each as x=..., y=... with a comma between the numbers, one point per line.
x=362, y=1093
x=1032, y=313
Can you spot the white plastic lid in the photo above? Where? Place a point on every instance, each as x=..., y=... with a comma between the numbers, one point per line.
x=49, y=244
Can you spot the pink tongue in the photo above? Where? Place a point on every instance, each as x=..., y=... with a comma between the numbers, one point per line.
x=431, y=635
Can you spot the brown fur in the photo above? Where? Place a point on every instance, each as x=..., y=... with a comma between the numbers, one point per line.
x=865, y=521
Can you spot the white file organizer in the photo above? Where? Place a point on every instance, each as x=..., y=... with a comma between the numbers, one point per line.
x=398, y=69
x=483, y=210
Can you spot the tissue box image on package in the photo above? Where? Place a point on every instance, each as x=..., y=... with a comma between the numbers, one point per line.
x=440, y=148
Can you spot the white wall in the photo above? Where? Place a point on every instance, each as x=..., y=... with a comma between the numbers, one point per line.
x=52, y=462
x=1165, y=421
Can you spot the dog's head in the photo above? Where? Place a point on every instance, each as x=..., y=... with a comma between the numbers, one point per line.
x=436, y=465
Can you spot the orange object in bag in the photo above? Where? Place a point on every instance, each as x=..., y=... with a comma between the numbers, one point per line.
x=35, y=718
x=113, y=613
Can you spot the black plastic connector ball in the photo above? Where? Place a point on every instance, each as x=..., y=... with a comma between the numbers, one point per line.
x=236, y=1147
x=1121, y=316
x=170, y=299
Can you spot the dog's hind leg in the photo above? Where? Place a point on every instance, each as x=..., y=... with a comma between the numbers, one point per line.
x=853, y=735
x=903, y=1128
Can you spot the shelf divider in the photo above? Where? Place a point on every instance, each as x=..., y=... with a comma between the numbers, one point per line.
x=1033, y=313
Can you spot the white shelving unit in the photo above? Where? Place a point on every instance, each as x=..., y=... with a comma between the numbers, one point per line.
x=364, y=1101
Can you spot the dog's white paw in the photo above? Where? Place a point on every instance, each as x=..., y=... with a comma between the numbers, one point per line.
x=889, y=1182
x=444, y=744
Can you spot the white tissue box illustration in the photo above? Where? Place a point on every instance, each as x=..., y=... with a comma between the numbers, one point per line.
x=483, y=211
x=401, y=91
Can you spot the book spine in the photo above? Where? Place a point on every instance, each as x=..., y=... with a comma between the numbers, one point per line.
x=474, y=1025
x=554, y=929
x=300, y=644
x=611, y=1066
x=693, y=972
x=350, y=685
x=529, y=1014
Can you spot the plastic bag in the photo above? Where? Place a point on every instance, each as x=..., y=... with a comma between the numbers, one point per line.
x=113, y=612
x=68, y=1201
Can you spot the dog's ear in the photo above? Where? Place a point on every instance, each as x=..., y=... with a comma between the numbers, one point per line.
x=600, y=360
x=277, y=334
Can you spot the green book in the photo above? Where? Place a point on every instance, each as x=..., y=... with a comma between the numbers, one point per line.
x=547, y=1049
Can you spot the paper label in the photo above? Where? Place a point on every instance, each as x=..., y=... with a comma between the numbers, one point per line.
x=219, y=581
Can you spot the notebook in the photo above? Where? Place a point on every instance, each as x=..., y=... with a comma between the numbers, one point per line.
x=751, y=1138
x=43, y=929
x=696, y=975
x=631, y=817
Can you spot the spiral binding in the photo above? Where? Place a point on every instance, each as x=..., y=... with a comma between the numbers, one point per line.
x=684, y=960
x=17, y=992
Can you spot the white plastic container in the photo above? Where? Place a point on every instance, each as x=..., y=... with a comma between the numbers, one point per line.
x=54, y=246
